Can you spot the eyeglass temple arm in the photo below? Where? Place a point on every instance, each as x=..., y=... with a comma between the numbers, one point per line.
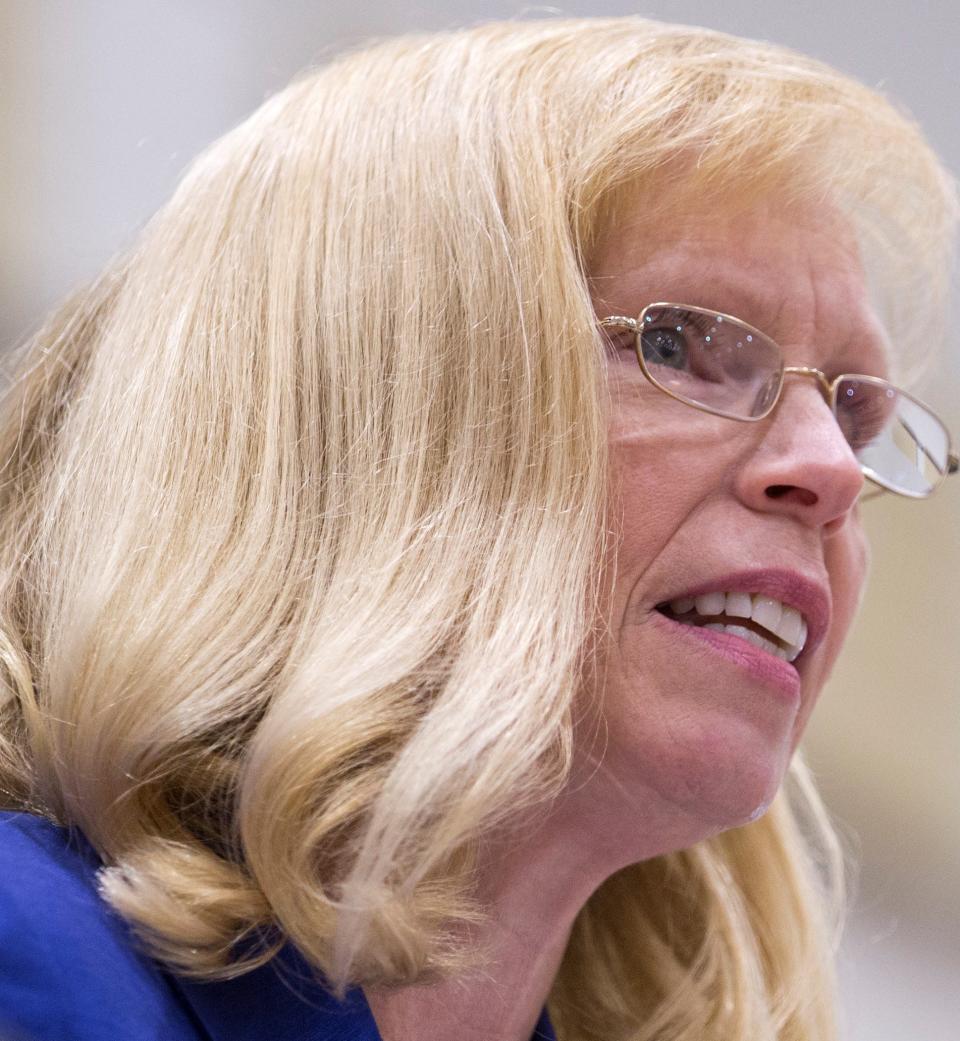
x=619, y=321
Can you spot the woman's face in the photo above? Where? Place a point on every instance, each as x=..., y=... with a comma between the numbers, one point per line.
x=707, y=505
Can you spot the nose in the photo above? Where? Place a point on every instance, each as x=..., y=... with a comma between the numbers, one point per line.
x=801, y=464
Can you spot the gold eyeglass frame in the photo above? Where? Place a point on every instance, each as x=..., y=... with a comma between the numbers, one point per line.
x=827, y=387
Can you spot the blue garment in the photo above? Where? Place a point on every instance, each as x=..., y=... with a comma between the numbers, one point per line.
x=69, y=972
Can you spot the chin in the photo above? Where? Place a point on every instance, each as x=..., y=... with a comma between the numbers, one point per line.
x=720, y=772
x=734, y=795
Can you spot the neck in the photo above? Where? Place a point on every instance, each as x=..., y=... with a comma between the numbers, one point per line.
x=534, y=881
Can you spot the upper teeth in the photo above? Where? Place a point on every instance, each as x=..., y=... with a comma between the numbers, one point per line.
x=784, y=622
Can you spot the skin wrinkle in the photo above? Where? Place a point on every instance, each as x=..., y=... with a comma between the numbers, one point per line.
x=692, y=744
x=683, y=520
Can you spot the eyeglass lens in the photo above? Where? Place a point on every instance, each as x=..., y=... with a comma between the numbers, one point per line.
x=708, y=359
x=724, y=365
x=895, y=438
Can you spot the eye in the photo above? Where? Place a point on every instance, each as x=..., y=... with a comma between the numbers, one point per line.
x=864, y=411
x=685, y=342
x=665, y=346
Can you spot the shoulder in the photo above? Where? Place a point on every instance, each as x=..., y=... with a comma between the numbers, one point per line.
x=69, y=969
x=67, y=966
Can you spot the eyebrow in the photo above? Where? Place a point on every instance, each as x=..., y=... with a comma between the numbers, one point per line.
x=713, y=290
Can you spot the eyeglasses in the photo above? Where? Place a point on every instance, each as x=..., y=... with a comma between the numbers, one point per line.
x=719, y=364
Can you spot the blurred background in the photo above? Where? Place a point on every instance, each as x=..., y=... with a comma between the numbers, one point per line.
x=102, y=105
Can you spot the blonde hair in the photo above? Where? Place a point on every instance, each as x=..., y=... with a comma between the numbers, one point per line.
x=304, y=506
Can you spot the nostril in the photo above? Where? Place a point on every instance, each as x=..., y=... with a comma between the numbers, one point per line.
x=802, y=495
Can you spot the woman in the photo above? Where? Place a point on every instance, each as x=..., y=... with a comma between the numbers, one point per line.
x=423, y=551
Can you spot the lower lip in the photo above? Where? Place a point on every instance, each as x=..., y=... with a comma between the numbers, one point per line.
x=768, y=668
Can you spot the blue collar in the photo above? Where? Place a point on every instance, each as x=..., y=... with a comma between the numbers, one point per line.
x=281, y=1001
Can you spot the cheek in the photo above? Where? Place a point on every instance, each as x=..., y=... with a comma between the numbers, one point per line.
x=660, y=473
x=847, y=558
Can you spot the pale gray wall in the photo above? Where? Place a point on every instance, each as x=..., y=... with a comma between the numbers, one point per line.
x=103, y=104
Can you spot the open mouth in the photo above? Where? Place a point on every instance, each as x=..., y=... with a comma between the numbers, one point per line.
x=759, y=619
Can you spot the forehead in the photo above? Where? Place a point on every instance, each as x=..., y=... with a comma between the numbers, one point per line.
x=794, y=273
